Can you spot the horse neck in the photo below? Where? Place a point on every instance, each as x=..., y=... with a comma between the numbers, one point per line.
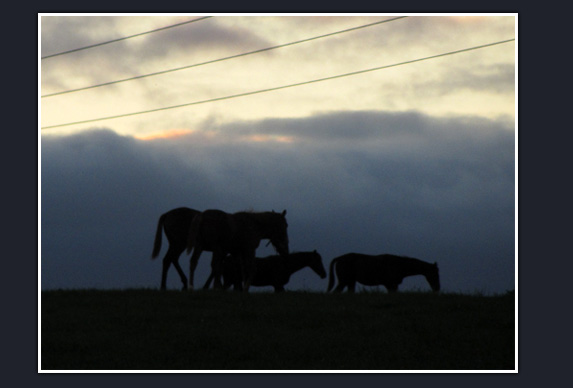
x=252, y=223
x=295, y=262
x=418, y=267
x=258, y=222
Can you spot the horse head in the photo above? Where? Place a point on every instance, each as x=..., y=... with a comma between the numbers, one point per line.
x=278, y=234
x=433, y=277
x=316, y=264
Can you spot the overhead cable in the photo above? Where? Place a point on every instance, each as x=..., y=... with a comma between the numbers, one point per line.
x=280, y=87
x=223, y=59
x=125, y=37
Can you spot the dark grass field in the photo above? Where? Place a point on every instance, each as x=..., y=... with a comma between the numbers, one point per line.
x=217, y=330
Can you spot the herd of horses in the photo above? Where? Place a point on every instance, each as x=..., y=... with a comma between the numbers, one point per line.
x=234, y=237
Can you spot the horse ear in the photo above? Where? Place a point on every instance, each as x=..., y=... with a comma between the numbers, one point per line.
x=284, y=212
x=436, y=264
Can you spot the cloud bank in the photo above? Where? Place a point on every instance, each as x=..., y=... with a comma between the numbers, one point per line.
x=371, y=182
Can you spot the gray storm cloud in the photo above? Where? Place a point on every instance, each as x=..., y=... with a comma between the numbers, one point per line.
x=440, y=189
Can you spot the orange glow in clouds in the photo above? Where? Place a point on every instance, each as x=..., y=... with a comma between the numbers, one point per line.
x=267, y=138
x=175, y=133
x=164, y=135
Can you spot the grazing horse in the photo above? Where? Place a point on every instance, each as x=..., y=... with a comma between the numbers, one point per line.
x=238, y=234
x=386, y=270
x=175, y=223
x=273, y=270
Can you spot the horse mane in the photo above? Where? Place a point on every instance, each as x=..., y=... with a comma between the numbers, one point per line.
x=413, y=259
x=247, y=210
x=290, y=253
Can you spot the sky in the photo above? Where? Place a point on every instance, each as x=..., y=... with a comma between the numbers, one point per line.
x=414, y=157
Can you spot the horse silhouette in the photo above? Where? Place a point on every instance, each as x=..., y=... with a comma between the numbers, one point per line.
x=238, y=234
x=272, y=270
x=386, y=270
x=175, y=223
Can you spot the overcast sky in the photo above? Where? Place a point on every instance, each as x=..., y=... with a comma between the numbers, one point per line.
x=416, y=159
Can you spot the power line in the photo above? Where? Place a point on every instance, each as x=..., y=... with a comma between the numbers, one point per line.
x=125, y=37
x=280, y=87
x=222, y=59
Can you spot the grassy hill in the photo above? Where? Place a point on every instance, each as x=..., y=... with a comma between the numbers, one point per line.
x=217, y=330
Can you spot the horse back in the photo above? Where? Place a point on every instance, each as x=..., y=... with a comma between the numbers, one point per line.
x=176, y=223
x=368, y=269
x=215, y=229
x=270, y=271
x=247, y=233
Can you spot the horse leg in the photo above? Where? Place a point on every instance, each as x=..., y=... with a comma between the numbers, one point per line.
x=392, y=288
x=166, y=264
x=226, y=283
x=238, y=285
x=249, y=260
x=171, y=256
x=193, y=265
x=342, y=283
x=181, y=273
x=228, y=280
x=208, y=282
x=237, y=274
x=351, y=287
x=216, y=268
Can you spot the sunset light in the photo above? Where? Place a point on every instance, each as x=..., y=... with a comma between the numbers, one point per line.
x=379, y=133
x=177, y=147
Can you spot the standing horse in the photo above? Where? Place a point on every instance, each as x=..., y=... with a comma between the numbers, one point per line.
x=175, y=223
x=238, y=234
x=273, y=270
x=386, y=270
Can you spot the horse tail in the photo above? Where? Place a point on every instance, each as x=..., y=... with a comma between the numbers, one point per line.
x=158, y=235
x=193, y=230
x=331, y=275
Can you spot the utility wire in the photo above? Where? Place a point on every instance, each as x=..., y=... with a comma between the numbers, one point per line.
x=222, y=59
x=125, y=37
x=281, y=87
